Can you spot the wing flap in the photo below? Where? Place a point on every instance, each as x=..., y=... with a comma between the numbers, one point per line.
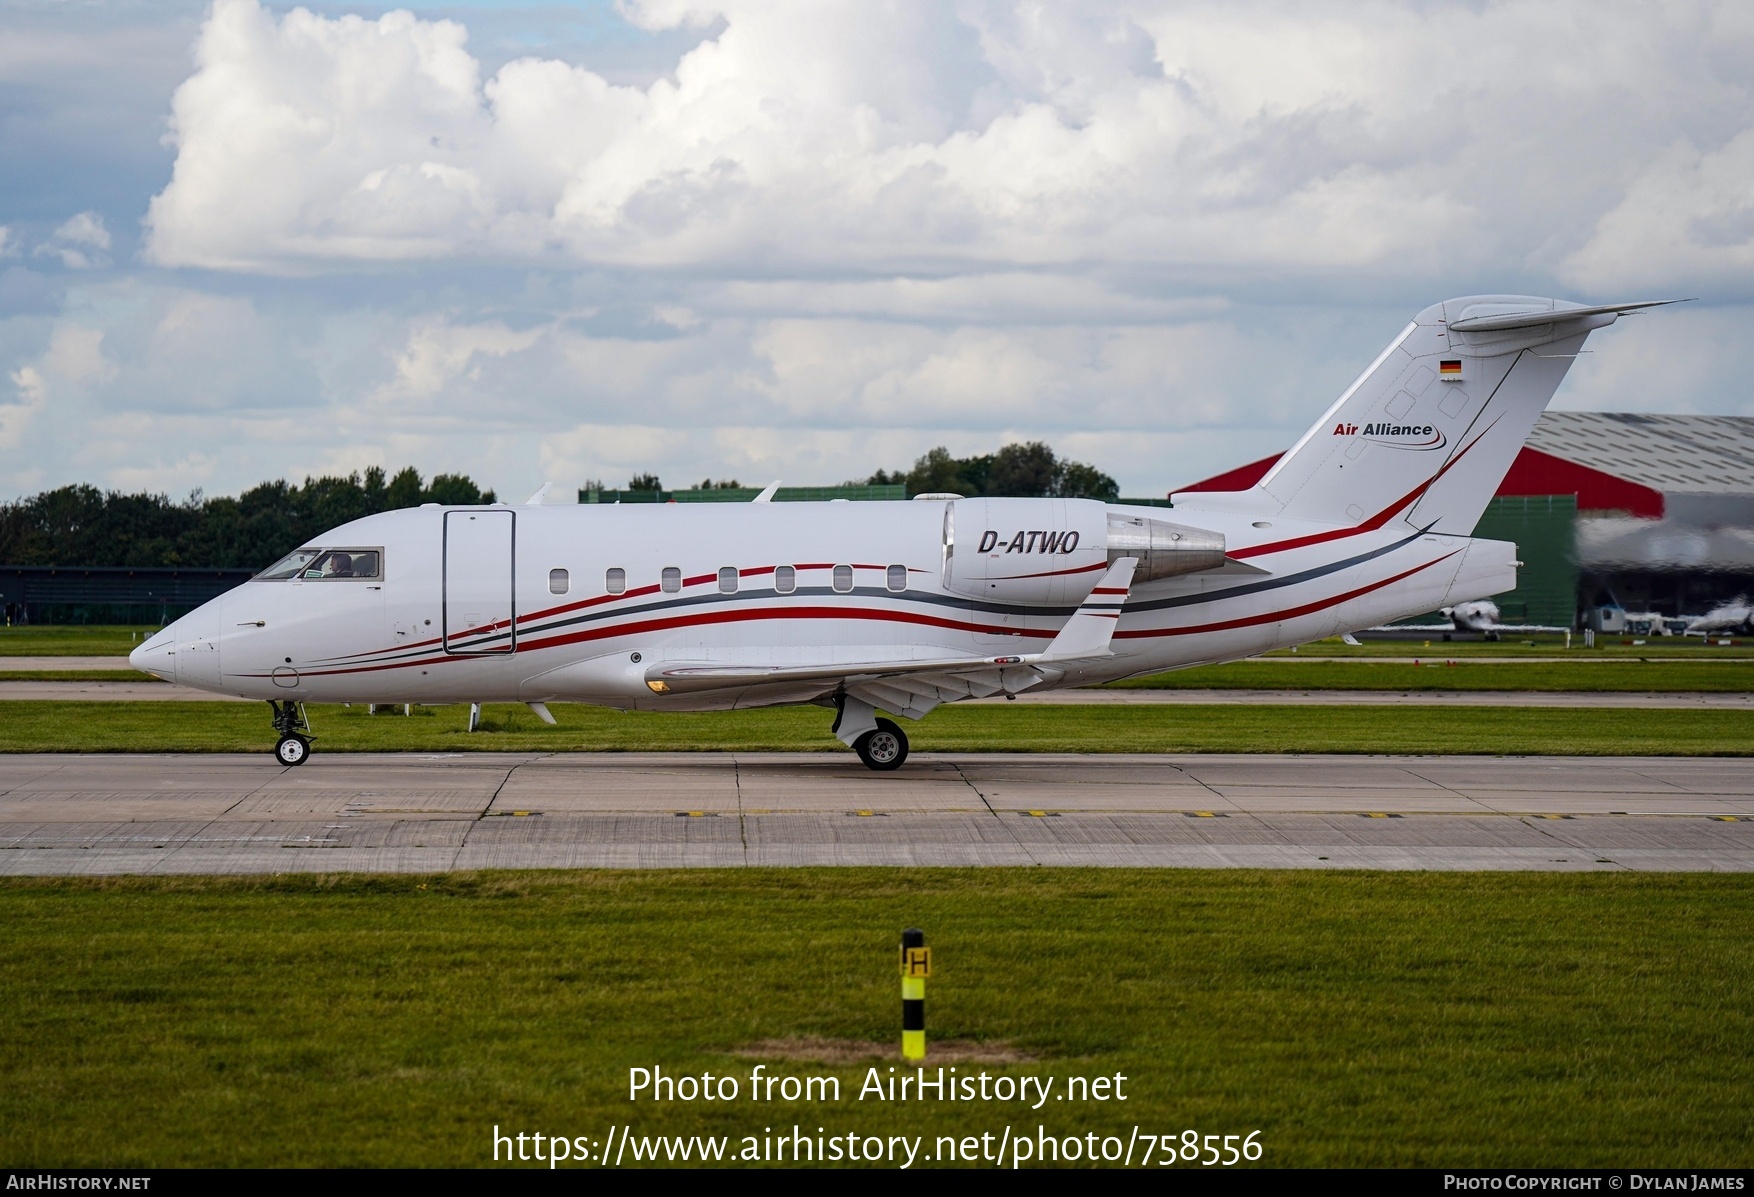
x=685, y=679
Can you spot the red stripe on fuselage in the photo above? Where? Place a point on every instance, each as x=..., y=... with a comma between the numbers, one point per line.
x=707, y=618
x=1292, y=613
x=1370, y=525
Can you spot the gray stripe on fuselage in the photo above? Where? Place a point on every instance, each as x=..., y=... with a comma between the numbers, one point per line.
x=969, y=606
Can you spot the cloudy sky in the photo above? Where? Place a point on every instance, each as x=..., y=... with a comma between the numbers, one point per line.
x=804, y=241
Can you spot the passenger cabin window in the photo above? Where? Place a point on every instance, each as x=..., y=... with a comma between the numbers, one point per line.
x=898, y=577
x=320, y=565
x=615, y=581
x=672, y=579
x=727, y=579
x=843, y=578
x=558, y=582
x=785, y=579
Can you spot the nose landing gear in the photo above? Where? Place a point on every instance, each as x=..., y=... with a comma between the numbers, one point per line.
x=294, y=746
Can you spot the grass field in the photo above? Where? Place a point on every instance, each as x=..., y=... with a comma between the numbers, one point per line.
x=1706, y=675
x=74, y=675
x=1719, y=676
x=1354, y=1019
x=1529, y=648
x=244, y=727
x=58, y=640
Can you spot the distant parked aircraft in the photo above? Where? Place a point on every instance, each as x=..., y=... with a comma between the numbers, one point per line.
x=1737, y=617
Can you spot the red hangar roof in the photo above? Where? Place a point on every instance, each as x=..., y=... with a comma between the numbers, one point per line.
x=1612, y=461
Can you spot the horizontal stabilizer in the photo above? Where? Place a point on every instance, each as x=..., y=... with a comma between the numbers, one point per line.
x=1495, y=321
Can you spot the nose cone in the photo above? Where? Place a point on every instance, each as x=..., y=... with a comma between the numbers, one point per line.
x=157, y=657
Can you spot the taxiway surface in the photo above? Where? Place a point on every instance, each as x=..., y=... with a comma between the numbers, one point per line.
x=164, y=814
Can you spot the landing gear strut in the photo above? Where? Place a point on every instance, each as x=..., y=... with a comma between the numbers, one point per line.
x=883, y=748
x=294, y=747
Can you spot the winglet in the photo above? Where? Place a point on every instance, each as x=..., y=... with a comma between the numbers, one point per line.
x=1092, y=626
x=767, y=494
x=535, y=500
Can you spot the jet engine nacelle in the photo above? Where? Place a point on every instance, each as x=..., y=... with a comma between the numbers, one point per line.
x=1053, y=550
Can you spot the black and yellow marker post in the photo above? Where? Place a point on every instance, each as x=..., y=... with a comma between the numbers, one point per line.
x=916, y=966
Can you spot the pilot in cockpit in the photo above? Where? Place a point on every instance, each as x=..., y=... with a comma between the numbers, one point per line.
x=340, y=566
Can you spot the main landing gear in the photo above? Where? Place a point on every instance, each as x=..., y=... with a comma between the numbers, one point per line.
x=294, y=746
x=879, y=743
x=883, y=748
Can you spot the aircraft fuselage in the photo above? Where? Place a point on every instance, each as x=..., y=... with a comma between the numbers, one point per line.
x=510, y=604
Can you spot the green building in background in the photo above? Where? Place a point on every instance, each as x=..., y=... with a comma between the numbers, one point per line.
x=1544, y=529
x=745, y=494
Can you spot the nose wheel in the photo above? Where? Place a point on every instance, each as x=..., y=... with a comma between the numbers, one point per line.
x=883, y=748
x=294, y=745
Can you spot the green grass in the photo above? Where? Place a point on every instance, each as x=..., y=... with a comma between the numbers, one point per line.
x=1354, y=1018
x=244, y=727
x=1607, y=676
x=60, y=640
x=1529, y=648
x=74, y=675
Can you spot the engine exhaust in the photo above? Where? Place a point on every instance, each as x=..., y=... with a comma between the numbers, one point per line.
x=1162, y=549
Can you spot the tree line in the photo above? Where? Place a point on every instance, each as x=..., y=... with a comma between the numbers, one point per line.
x=81, y=525
x=1018, y=471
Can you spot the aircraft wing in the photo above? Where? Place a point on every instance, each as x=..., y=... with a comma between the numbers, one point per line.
x=688, y=679
x=913, y=687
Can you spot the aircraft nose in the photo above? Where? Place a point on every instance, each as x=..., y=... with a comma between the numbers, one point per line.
x=156, y=656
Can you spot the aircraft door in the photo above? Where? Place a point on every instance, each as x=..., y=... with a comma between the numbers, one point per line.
x=480, y=555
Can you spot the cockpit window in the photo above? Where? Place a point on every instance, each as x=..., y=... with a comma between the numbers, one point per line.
x=343, y=563
x=320, y=565
x=291, y=565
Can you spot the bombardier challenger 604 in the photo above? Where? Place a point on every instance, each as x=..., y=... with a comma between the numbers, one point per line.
x=898, y=607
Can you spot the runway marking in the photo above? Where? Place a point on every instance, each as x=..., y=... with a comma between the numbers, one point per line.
x=66, y=821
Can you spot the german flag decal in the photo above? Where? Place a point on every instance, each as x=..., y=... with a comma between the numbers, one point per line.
x=1450, y=369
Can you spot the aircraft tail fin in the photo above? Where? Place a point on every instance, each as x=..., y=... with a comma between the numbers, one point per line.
x=1430, y=429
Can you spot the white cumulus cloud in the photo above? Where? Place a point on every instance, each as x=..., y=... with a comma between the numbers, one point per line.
x=925, y=138
x=80, y=242
x=820, y=237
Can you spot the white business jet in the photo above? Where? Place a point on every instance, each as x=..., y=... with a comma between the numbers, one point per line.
x=899, y=607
